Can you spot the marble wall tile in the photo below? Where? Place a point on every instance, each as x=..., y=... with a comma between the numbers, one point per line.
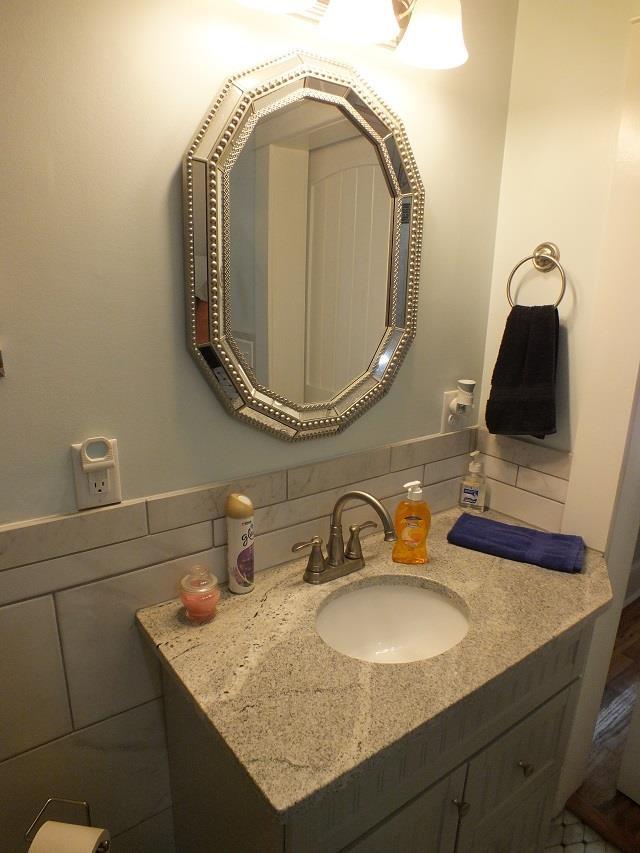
x=45, y=538
x=545, y=459
x=272, y=549
x=445, y=469
x=444, y=495
x=431, y=448
x=87, y=566
x=34, y=707
x=534, y=509
x=203, y=503
x=108, y=667
x=498, y=469
x=119, y=766
x=322, y=476
x=542, y=484
x=296, y=511
x=154, y=835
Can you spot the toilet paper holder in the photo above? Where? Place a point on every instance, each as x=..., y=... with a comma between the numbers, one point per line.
x=104, y=847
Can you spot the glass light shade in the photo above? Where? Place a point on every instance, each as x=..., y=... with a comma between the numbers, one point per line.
x=361, y=21
x=277, y=6
x=434, y=37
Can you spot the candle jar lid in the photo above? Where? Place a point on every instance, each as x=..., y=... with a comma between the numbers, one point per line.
x=199, y=581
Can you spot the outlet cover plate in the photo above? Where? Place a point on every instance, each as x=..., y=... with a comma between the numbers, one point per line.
x=88, y=497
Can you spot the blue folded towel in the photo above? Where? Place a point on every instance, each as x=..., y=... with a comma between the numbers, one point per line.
x=550, y=550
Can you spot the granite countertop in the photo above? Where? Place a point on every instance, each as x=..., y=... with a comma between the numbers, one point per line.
x=298, y=715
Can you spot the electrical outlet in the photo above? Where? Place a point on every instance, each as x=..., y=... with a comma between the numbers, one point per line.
x=99, y=483
x=96, y=472
x=451, y=423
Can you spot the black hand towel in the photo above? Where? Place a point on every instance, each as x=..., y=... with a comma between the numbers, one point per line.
x=523, y=385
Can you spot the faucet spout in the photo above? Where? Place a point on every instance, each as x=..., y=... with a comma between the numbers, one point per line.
x=335, y=545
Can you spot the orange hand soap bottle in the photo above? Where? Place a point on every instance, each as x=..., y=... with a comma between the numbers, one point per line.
x=413, y=520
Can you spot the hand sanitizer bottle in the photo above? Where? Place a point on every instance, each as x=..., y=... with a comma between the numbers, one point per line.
x=473, y=488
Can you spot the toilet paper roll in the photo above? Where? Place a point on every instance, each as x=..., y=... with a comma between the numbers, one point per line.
x=55, y=837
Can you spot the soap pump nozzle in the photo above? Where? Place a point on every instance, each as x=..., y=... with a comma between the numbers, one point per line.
x=414, y=490
x=475, y=465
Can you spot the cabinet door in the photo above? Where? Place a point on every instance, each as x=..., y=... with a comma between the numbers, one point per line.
x=510, y=770
x=427, y=824
x=521, y=826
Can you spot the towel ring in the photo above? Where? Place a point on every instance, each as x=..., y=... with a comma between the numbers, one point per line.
x=545, y=258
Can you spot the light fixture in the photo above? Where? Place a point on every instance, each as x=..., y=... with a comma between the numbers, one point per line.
x=361, y=21
x=434, y=38
x=277, y=7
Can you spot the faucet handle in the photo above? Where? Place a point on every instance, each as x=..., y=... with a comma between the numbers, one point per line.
x=354, y=548
x=316, y=564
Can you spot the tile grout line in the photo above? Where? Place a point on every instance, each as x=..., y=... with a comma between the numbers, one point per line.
x=100, y=547
x=85, y=550
x=538, y=495
x=59, y=589
x=106, y=719
x=528, y=467
x=64, y=662
x=144, y=820
x=526, y=491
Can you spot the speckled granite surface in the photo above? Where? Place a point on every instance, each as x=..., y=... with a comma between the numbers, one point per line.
x=299, y=715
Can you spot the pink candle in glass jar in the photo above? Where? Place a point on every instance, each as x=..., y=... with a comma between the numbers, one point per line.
x=200, y=594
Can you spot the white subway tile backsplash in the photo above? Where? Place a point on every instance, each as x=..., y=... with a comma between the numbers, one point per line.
x=444, y=495
x=542, y=484
x=272, y=549
x=534, y=509
x=431, y=448
x=34, y=706
x=498, y=469
x=299, y=510
x=108, y=667
x=332, y=473
x=445, y=469
x=45, y=538
x=545, y=459
x=88, y=566
x=177, y=509
x=119, y=766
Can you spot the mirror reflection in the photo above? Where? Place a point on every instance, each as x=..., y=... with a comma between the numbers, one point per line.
x=311, y=218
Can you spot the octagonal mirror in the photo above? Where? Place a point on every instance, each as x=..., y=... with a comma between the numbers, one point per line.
x=303, y=221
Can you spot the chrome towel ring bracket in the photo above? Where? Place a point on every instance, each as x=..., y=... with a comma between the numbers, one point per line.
x=545, y=258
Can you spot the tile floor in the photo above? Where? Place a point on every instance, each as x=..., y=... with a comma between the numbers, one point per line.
x=569, y=835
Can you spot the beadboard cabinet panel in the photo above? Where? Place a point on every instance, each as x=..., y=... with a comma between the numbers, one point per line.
x=428, y=824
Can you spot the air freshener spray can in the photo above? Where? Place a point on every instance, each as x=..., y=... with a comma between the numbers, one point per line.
x=240, y=534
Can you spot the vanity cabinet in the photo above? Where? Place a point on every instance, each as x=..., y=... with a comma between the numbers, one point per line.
x=495, y=803
x=481, y=780
x=278, y=744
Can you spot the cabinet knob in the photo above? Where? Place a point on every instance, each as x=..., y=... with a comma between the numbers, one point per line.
x=463, y=808
x=527, y=769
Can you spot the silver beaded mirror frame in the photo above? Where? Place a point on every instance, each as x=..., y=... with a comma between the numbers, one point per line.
x=244, y=99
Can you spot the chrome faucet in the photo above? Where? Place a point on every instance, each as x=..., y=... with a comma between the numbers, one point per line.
x=342, y=561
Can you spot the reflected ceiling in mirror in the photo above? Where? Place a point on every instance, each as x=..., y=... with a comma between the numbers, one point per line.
x=303, y=221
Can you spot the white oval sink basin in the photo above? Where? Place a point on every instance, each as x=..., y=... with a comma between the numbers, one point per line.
x=392, y=619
